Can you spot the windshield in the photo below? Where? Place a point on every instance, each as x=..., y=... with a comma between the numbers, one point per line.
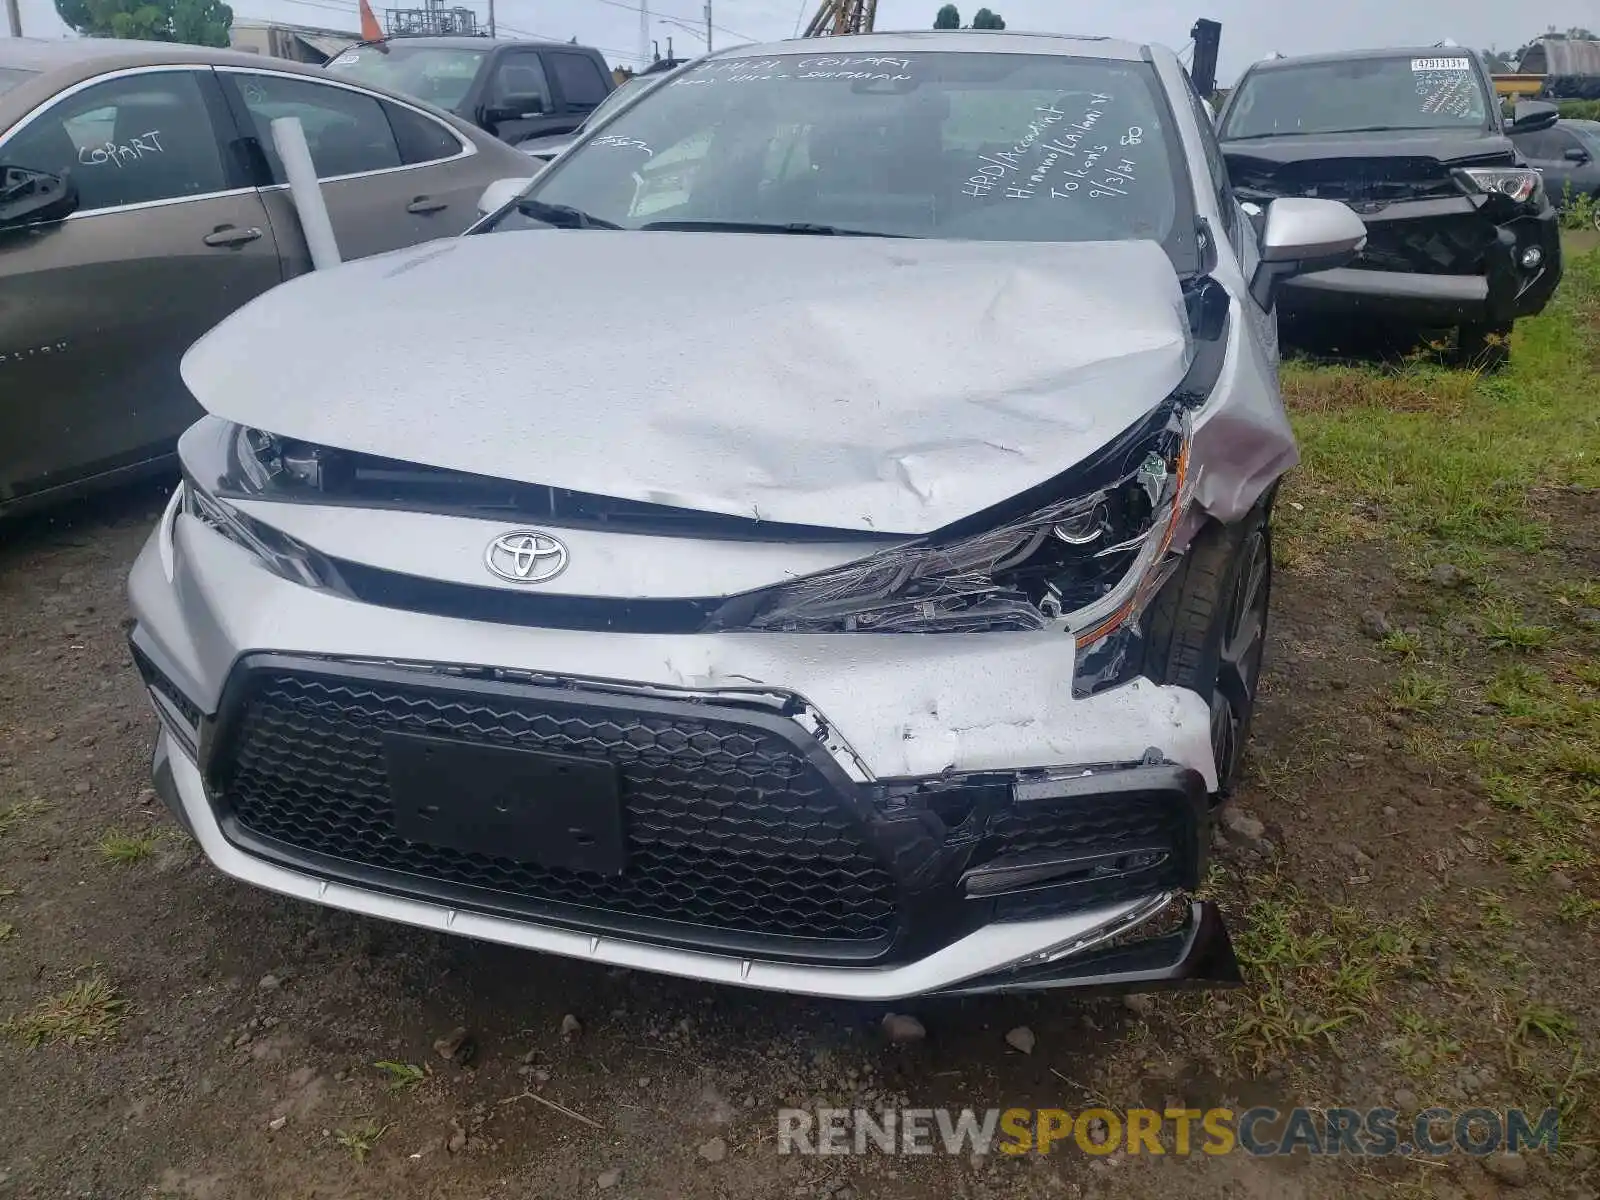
x=438, y=74
x=10, y=77
x=1359, y=94
x=947, y=144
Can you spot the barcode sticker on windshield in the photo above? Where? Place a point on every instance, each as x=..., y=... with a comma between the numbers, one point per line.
x=1441, y=64
x=345, y=59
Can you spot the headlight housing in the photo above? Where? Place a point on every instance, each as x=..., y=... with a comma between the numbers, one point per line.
x=1083, y=563
x=1520, y=185
x=278, y=552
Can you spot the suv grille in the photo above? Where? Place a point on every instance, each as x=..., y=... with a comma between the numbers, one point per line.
x=728, y=826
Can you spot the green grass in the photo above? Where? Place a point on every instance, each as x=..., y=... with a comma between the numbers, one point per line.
x=88, y=1011
x=1417, y=692
x=1428, y=455
x=125, y=849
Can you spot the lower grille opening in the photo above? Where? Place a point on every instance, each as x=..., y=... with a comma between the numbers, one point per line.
x=728, y=827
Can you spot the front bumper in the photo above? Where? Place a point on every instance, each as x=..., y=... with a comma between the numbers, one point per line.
x=1438, y=263
x=765, y=847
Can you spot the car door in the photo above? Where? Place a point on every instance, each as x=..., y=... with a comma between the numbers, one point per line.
x=392, y=175
x=515, y=75
x=1546, y=151
x=96, y=309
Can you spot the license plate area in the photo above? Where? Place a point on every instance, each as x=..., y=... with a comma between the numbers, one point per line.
x=550, y=810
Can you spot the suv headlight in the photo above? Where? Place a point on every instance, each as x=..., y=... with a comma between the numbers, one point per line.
x=1085, y=563
x=1521, y=185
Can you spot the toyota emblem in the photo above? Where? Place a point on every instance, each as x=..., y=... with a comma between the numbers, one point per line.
x=526, y=556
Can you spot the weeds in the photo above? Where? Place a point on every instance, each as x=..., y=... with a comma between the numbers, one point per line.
x=125, y=849
x=1416, y=692
x=16, y=814
x=1504, y=629
x=89, y=1011
x=360, y=1140
x=402, y=1076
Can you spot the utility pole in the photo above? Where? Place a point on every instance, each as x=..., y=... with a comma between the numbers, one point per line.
x=644, y=33
x=491, y=18
x=14, y=18
x=708, y=25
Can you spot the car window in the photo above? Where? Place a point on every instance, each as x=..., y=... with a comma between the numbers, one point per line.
x=580, y=81
x=127, y=141
x=943, y=144
x=1359, y=94
x=10, y=77
x=1544, y=144
x=520, y=75
x=421, y=139
x=440, y=75
x=346, y=130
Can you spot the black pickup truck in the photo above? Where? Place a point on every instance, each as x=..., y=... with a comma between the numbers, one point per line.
x=1460, y=230
x=514, y=90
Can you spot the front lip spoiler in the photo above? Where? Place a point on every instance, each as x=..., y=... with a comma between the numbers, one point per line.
x=1199, y=955
x=1078, y=951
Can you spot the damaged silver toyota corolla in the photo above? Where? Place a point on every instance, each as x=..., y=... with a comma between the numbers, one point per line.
x=869, y=604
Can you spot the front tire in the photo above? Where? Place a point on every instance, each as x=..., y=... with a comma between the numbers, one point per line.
x=1208, y=629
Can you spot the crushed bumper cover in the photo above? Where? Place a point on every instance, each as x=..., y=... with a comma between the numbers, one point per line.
x=1439, y=262
x=766, y=845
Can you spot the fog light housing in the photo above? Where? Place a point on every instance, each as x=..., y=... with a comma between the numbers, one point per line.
x=1532, y=257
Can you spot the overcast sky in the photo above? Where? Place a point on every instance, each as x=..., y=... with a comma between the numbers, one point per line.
x=1251, y=28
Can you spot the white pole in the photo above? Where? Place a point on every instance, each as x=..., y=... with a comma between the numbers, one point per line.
x=14, y=18
x=289, y=136
x=708, y=26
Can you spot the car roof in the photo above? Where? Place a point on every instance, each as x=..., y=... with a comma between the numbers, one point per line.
x=60, y=64
x=1308, y=60
x=94, y=55
x=464, y=42
x=975, y=41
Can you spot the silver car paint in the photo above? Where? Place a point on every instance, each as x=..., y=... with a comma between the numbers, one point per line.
x=856, y=383
x=898, y=705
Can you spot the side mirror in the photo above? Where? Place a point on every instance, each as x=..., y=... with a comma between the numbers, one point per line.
x=1301, y=236
x=1530, y=116
x=1576, y=154
x=515, y=107
x=501, y=193
x=30, y=197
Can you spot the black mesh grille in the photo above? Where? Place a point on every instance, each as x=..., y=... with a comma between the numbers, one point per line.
x=1096, y=824
x=1452, y=245
x=728, y=826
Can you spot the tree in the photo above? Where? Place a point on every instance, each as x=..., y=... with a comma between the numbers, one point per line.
x=949, y=18
x=197, y=22
x=984, y=19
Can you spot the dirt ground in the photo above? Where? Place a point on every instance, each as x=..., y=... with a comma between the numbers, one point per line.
x=229, y=1039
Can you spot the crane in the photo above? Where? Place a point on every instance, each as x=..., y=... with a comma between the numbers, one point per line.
x=843, y=16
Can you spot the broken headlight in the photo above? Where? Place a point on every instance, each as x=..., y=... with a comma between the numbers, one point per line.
x=1084, y=563
x=1520, y=185
x=276, y=551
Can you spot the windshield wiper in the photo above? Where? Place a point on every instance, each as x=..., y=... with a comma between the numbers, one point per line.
x=1246, y=137
x=803, y=227
x=562, y=216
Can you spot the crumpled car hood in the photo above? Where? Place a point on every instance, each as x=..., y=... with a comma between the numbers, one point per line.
x=859, y=383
